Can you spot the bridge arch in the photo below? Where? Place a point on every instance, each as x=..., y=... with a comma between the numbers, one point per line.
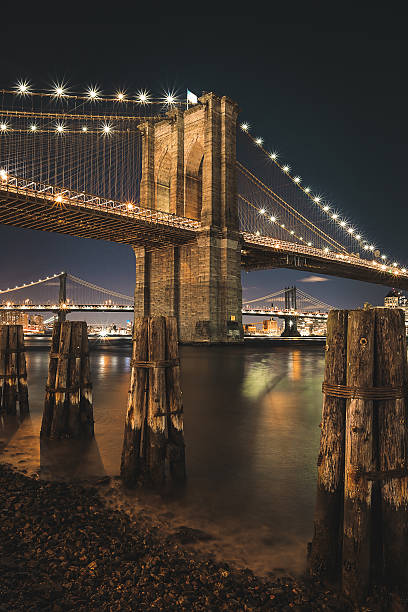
x=193, y=182
x=163, y=184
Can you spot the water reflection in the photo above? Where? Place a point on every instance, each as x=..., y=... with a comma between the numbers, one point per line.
x=251, y=432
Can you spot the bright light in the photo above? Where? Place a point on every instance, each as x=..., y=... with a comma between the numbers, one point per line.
x=326, y=250
x=33, y=127
x=60, y=128
x=59, y=90
x=142, y=97
x=262, y=211
x=129, y=206
x=297, y=179
x=93, y=93
x=307, y=189
x=106, y=128
x=335, y=216
x=326, y=208
x=292, y=232
x=350, y=230
x=358, y=236
x=316, y=199
x=309, y=244
x=258, y=233
x=244, y=127
x=120, y=96
x=395, y=264
x=103, y=333
x=169, y=98
x=286, y=168
x=403, y=270
x=366, y=247
x=23, y=88
x=371, y=247
x=3, y=127
x=383, y=257
x=84, y=128
x=58, y=199
x=259, y=141
x=3, y=175
x=273, y=156
x=383, y=267
x=273, y=219
x=343, y=223
x=283, y=225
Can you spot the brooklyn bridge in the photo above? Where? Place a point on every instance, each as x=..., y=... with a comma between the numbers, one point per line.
x=196, y=194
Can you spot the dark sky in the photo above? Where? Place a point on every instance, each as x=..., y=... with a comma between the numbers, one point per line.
x=333, y=102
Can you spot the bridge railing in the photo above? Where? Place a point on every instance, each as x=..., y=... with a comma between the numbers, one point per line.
x=59, y=196
x=291, y=247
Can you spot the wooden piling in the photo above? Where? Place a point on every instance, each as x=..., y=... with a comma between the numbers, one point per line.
x=359, y=456
x=391, y=372
x=153, y=448
x=68, y=400
x=13, y=370
x=325, y=552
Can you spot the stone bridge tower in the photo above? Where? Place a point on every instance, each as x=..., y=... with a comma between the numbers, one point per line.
x=188, y=168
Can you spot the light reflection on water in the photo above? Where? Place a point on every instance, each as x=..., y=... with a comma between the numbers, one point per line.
x=252, y=435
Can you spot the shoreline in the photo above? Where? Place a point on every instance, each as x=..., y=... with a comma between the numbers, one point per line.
x=64, y=546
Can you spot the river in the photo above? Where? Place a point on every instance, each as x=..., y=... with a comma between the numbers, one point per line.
x=252, y=418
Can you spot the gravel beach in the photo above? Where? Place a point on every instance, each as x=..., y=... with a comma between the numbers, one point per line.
x=63, y=548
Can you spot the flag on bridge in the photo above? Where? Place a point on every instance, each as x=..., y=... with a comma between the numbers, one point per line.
x=191, y=97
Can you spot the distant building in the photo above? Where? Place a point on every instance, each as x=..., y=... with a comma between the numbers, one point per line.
x=392, y=299
x=270, y=327
x=13, y=317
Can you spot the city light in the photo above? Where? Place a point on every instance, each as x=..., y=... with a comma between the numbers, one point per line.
x=120, y=96
x=58, y=199
x=244, y=127
x=297, y=179
x=3, y=175
x=326, y=208
x=262, y=211
x=3, y=127
x=60, y=128
x=129, y=206
x=286, y=168
x=84, y=128
x=273, y=156
x=307, y=189
x=259, y=141
x=33, y=127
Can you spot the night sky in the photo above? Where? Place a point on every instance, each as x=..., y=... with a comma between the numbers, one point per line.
x=332, y=102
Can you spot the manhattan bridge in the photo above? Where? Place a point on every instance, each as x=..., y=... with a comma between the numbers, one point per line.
x=198, y=196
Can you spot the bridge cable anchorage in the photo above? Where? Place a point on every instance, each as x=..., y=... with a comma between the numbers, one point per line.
x=349, y=230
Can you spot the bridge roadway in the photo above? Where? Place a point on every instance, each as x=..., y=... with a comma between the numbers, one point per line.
x=39, y=206
x=114, y=308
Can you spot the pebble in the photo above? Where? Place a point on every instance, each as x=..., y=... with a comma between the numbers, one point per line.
x=62, y=548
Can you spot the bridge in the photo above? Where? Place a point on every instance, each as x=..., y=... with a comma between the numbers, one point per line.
x=163, y=177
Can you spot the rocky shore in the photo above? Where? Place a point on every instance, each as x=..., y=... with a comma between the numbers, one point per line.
x=63, y=548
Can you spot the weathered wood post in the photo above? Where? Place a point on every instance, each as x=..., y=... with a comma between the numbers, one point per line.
x=370, y=526
x=68, y=409
x=13, y=370
x=153, y=447
x=391, y=372
x=325, y=552
x=359, y=455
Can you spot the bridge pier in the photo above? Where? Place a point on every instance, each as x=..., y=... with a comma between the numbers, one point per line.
x=291, y=330
x=188, y=168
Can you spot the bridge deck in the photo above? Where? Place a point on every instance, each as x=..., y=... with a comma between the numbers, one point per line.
x=261, y=253
x=43, y=207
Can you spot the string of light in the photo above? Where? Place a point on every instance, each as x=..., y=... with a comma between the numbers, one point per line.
x=324, y=206
x=61, y=91
x=31, y=283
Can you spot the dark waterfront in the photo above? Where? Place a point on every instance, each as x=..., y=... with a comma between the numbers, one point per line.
x=252, y=436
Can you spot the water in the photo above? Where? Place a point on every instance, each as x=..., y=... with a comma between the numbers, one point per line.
x=252, y=436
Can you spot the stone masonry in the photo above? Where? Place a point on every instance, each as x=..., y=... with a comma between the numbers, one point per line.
x=188, y=168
